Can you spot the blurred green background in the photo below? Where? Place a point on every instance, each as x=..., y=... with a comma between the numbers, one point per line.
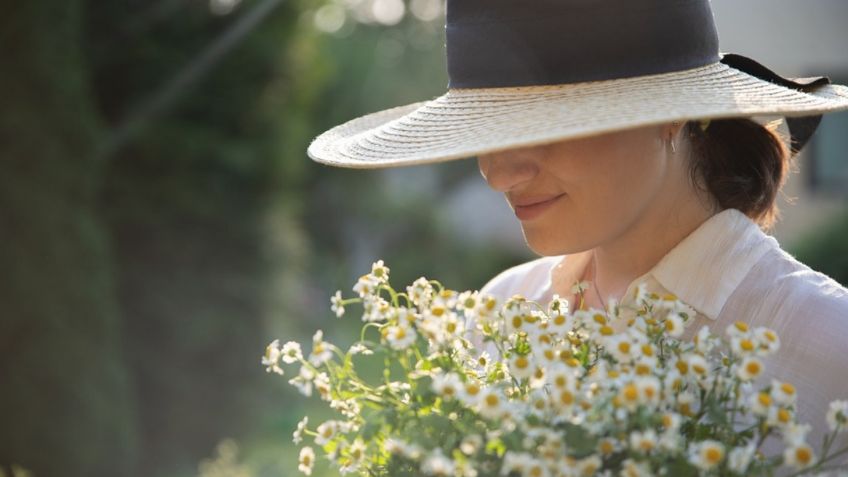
x=161, y=222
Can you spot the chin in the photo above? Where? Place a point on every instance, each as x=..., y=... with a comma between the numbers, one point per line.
x=547, y=244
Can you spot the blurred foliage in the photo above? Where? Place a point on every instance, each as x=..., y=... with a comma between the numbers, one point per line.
x=826, y=250
x=140, y=288
x=66, y=403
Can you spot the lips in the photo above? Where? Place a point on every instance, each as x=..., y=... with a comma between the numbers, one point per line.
x=531, y=207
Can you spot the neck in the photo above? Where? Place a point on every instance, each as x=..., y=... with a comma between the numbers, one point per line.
x=625, y=258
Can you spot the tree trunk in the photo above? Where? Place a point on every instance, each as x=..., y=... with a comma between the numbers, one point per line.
x=65, y=401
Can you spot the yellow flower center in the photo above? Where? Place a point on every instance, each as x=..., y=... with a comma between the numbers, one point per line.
x=492, y=400
x=746, y=345
x=606, y=330
x=803, y=455
x=559, y=320
x=624, y=347
x=566, y=397
x=713, y=455
x=753, y=368
x=787, y=388
x=517, y=322
x=741, y=326
x=764, y=399
x=630, y=392
x=521, y=362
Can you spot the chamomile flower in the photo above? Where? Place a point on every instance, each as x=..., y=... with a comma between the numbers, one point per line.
x=471, y=392
x=468, y=302
x=643, y=442
x=622, y=348
x=649, y=390
x=779, y=416
x=360, y=348
x=586, y=466
x=739, y=459
x=420, y=292
x=743, y=345
x=291, y=352
x=400, y=336
x=783, y=393
x=271, y=358
x=560, y=323
x=321, y=351
x=674, y=325
x=704, y=341
x=366, y=286
x=323, y=386
x=471, y=444
x=799, y=456
x=492, y=403
x=738, y=329
x=837, y=416
x=306, y=460
x=707, y=454
x=760, y=403
x=297, y=435
x=336, y=304
x=380, y=272
x=768, y=340
x=795, y=434
x=356, y=453
x=446, y=385
x=632, y=468
x=750, y=368
x=438, y=464
x=521, y=366
x=326, y=432
x=303, y=381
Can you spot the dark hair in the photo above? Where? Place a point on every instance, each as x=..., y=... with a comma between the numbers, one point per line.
x=741, y=164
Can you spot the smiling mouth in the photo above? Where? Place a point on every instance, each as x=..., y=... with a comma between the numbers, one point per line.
x=531, y=211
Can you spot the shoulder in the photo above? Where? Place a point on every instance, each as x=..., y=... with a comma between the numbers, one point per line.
x=794, y=279
x=809, y=306
x=525, y=278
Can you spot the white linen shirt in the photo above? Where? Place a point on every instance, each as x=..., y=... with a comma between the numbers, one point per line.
x=729, y=270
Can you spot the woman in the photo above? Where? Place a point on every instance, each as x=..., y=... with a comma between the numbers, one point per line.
x=593, y=119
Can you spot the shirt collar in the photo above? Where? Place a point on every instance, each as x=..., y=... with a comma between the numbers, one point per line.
x=702, y=270
x=707, y=266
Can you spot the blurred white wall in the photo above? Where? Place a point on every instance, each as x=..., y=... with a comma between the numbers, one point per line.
x=794, y=38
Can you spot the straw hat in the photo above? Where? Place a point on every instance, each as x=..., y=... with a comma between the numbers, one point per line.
x=526, y=72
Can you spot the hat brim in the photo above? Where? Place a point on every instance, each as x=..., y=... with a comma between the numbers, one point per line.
x=466, y=122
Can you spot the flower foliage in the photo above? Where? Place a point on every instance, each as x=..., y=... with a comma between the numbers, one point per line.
x=471, y=387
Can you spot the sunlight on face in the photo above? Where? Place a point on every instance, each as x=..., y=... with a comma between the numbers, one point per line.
x=606, y=183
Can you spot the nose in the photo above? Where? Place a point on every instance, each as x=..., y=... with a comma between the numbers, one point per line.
x=504, y=171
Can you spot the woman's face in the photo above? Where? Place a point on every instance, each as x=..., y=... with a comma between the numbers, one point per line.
x=596, y=188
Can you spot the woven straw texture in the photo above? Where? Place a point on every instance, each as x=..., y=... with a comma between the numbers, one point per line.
x=467, y=122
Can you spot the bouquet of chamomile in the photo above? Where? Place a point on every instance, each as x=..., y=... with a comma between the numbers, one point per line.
x=469, y=386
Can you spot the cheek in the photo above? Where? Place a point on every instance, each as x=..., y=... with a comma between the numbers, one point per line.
x=604, y=199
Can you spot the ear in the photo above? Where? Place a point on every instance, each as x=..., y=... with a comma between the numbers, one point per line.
x=671, y=130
